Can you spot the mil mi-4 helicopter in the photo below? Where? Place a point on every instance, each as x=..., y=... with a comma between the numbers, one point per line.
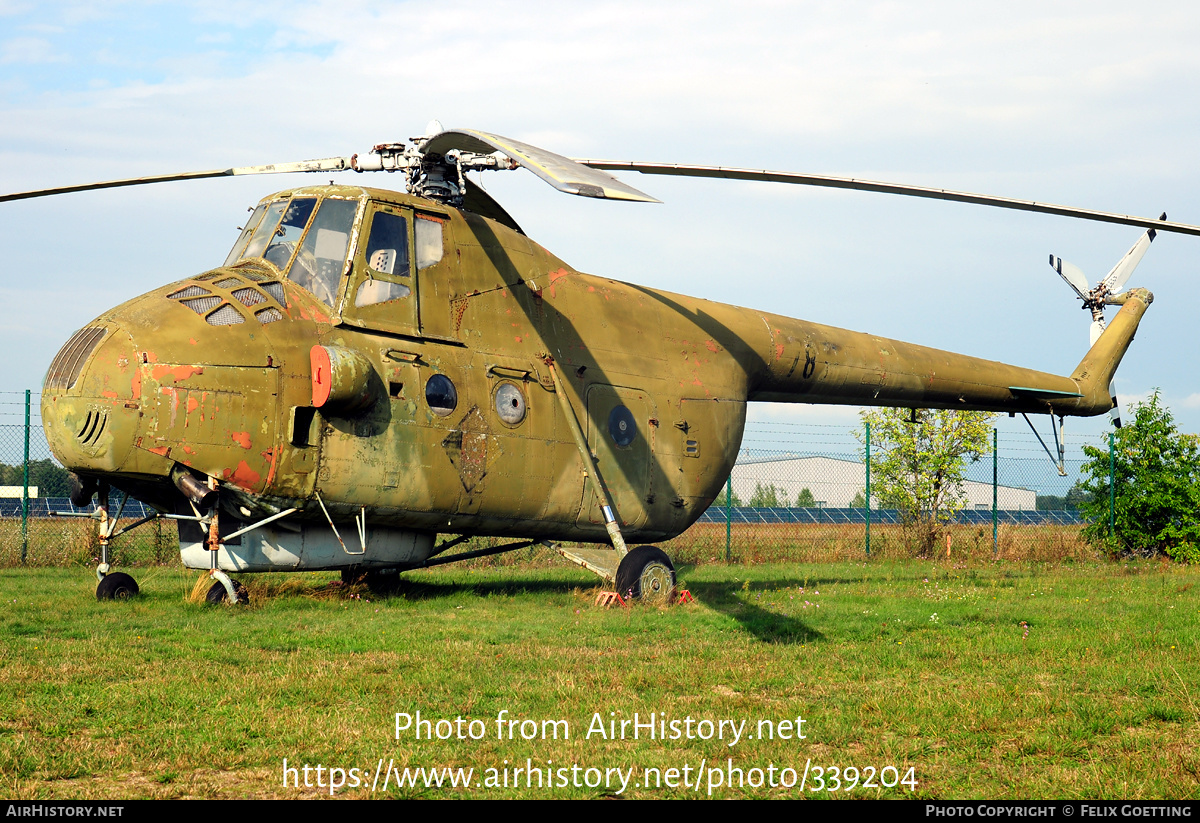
x=368, y=370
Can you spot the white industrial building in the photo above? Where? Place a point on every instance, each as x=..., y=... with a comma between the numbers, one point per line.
x=835, y=483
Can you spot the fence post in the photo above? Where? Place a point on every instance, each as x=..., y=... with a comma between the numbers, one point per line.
x=25, y=489
x=867, y=492
x=728, y=514
x=1112, y=488
x=995, y=490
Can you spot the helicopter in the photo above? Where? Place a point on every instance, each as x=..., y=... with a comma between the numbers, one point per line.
x=369, y=370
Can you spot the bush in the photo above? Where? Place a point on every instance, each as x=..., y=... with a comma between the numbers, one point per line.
x=1155, y=489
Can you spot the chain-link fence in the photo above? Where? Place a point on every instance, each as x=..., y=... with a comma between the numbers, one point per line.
x=797, y=492
x=38, y=524
x=801, y=491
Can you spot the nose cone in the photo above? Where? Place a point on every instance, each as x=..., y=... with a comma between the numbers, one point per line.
x=90, y=399
x=187, y=374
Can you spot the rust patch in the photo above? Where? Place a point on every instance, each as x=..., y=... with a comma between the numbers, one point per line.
x=243, y=476
x=712, y=346
x=192, y=405
x=270, y=455
x=459, y=307
x=188, y=449
x=555, y=276
x=161, y=451
x=778, y=351
x=109, y=393
x=193, y=341
x=241, y=438
x=180, y=373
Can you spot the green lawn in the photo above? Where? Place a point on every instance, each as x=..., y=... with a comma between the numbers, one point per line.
x=1001, y=681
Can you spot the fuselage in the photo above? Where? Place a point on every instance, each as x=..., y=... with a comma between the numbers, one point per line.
x=453, y=322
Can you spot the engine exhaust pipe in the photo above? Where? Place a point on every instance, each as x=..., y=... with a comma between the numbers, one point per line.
x=195, y=489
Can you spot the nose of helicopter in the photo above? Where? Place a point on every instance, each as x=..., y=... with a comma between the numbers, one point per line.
x=90, y=400
x=185, y=375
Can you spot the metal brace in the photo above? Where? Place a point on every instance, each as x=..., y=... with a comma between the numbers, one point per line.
x=1059, y=442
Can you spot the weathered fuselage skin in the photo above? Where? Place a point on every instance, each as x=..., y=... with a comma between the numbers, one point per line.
x=165, y=390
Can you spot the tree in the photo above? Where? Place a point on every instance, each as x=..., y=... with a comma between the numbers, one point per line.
x=917, y=468
x=720, y=501
x=1155, y=489
x=50, y=479
x=1071, y=501
x=768, y=497
x=859, y=501
x=805, y=499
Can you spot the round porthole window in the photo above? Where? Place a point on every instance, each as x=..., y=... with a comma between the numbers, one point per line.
x=510, y=403
x=621, y=426
x=441, y=395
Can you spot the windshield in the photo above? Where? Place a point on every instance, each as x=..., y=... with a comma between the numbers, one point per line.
x=310, y=250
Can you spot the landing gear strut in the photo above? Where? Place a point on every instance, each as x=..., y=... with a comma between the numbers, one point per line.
x=113, y=585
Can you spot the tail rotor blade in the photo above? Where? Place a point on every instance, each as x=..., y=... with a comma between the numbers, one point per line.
x=1115, y=413
x=1115, y=280
x=1071, y=274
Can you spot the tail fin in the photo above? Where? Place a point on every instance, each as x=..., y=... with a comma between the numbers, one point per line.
x=1095, y=372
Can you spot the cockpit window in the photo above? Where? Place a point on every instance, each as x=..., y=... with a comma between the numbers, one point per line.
x=265, y=230
x=318, y=266
x=240, y=245
x=283, y=243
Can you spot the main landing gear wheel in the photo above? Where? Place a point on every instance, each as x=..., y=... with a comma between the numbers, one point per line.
x=116, y=586
x=217, y=594
x=646, y=574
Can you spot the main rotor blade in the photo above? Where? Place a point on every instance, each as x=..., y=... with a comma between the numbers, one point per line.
x=327, y=164
x=562, y=173
x=1115, y=280
x=888, y=188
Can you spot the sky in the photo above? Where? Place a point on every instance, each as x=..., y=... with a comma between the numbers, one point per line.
x=1089, y=104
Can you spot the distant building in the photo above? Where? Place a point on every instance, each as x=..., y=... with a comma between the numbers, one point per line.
x=835, y=483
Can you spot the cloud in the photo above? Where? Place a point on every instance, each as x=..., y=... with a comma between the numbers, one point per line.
x=29, y=51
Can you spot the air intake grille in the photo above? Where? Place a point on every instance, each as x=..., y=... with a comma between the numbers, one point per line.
x=228, y=283
x=201, y=304
x=227, y=315
x=276, y=291
x=68, y=363
x=269, y=315
x=190, y=291
x=249, y=297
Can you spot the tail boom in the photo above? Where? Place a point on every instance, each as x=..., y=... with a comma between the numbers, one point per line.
x=810, y=363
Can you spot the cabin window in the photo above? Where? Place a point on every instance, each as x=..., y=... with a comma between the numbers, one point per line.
x=387, y=261
x=319, y=264
x=622, y=428
x=429, y=240
x=441, y=395
x=510, y=403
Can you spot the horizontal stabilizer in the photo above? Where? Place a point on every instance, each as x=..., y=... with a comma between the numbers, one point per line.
x=1042, y=394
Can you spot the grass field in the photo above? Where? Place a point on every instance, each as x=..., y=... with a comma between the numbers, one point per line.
x=987, y=680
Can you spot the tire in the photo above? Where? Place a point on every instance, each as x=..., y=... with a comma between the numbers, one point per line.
x=647, y=575
x=217, y=594
x=116, y=586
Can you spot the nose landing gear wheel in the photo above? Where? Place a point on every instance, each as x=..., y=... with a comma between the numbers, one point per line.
x=646, y=574
x=217, y=594
x=116, y=586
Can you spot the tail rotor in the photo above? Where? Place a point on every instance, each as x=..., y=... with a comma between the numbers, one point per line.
x=1106, y=292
